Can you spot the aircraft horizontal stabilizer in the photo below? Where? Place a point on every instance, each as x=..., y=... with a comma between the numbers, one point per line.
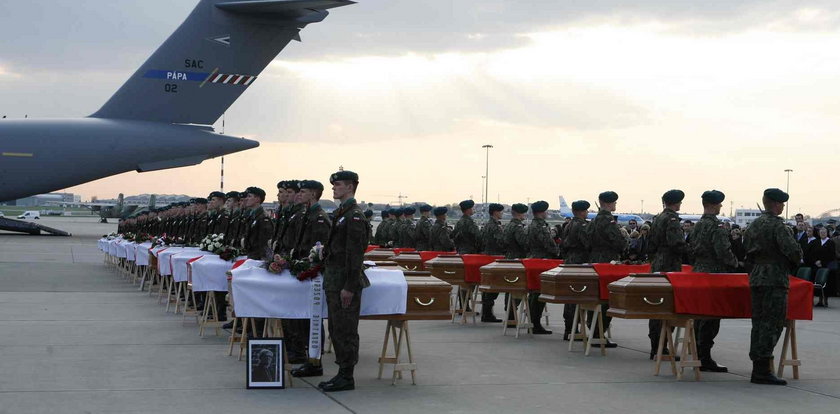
x=173, y=163
x=292, y=7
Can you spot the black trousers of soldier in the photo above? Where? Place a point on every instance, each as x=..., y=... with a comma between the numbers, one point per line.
x=590, y=315
x=488, y=300
x=705, y=331
x=296, y=333
x=344, y=330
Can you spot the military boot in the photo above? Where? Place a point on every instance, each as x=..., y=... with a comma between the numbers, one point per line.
x=762, y=373
x=536, y=314
x=341, y=382
x=487, y=315
x=708, y=364
x=308, y=369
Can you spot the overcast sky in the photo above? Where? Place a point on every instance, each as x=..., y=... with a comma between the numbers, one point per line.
x=576, y=97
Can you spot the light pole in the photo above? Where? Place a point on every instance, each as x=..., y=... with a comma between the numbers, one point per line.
x=643, y=206
x=787, y=190
x=487, y=173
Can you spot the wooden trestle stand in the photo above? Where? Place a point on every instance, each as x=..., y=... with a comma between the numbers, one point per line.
x=508, y=276
x=577, y=284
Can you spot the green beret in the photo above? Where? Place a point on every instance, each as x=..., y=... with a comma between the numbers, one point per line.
x=368, y=213
x=776, y=195
x=425, y=208
x=259, y=192
x=281, y=184
x=496, y=207
x=232, y=194
x=713, y=197
x=384, y=214
x=580, y=205
x=539, y=206
x=409, y=211
x=673, y=196
x=192, y=201
x=311, y=185
x=293, y=185
x=466, y=204
x=399, y=211
x=439, y=211
x=608, y=197
x=216, y=194
x=392, y=212
x=243, y=194
x=200, y=200
x=519, y=208
x=344, y=176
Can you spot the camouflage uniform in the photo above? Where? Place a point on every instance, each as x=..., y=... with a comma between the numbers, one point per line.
x=607, y=244
x=576, y=244
x=515, y=239
x=394, y=232
x=381, y=237
x=712, y=253
x=772, y=251
x=439, y=239
x=540, y=246
x=493, y=241
x=422, y=233
x=406, y=232
x=466, y=236
x=667, y=242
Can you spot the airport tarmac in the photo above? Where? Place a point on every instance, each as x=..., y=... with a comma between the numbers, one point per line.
x=77, y=338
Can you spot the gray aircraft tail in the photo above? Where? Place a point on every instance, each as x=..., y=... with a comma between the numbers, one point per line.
x=216, y=53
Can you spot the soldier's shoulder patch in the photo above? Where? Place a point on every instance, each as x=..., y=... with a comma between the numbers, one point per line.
x=356, y=218
x=674, y=219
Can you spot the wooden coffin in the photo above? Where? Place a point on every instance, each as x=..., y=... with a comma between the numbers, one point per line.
x=422, y=273
x=428, y=299
x=642, y=297
x=409, y=260
x=572, y=283
x=448, y=268
x=387, y=264
x=379, y=254
x=507, y=276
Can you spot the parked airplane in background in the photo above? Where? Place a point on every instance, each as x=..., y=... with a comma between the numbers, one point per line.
x=696, y=217
x=621, y=218
x=161, y=117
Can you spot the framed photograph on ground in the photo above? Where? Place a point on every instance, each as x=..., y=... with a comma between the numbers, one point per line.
x=265, y=363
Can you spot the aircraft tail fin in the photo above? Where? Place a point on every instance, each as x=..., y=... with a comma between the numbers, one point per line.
x=209, y=61
x=564, y=207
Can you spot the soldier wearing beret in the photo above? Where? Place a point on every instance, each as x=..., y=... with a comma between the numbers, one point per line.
x=258, y=228
x=381, y=237
x=493, y=240
x=344, y=278
x=200, y=219
x=281, y=216
x=516, y=234
x=232, y=231
x=606, y=242
x=667, y=243
x=294, y=224
x=216, y=219
x=709, y=244
x=576, y=244
x=422, y=231
x=368, y=217
x=439, y=236
x=772, y=252
x=407, y=229
x=540, y=246
x=466, y=234
x=316, y=229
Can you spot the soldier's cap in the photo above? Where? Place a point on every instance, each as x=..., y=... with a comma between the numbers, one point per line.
x=519, y=208
x=494, y=207
x=311, y=185
x=216, y=194
x=409, y=211
x=243, y=194
x=425, y=208
x=580, y=205
x=259, y=192
x=200, y=200
x=393, y=212
x=192, y=201
x=232, y=194
x=344, y=176
x=539, y=206
x=466, y=204
x=608, y=196
x=673, y=196
x=384, y=213
x=368, y=213
x=776, y=195
x=713, y=197
x=281, y=184
x=293, y=185
x=439, y=211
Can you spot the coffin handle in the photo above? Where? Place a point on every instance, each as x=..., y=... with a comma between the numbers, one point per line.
x=572, y=288
x=511, y=281
x=448, y=272
x=420, y=302
x=661, y=301
x=411, y=267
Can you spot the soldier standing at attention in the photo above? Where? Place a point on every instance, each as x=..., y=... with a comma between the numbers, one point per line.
x=439, y=239
x=394, y=228
x=516, y=244
x=422, y=231
x=217, y=217
x=368, y=217
x=382, y=229
x=282, y=218
x=408, y=228
x=344, y=279
x=296, y=214
x=540, y=246
x=772, y=251
x=709, y=243
x=232, y=229
x=667, y=242
x=576, y=244
x=466, y=234
x=493, y=240
x=258, y=226
x=606, y=243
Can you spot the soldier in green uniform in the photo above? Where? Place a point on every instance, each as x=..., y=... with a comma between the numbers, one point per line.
x=394, y=230
x=282, y=217
x=466, y=234
x=540, y=246
x=576, y=245
x=439, y=236
x=422, y=231
x=709, y=244
x=407, y=228
x=258, y=226
x=667, y=244
x=606, y=243
x=232, y=230
x=199, y=227
x=216, y=224
x=344, y=278
x=772, y=252
x=297, y=215
x=368, y=217
x=516, y=234
x=493, y=240
x=381, y=237
x=316, y=229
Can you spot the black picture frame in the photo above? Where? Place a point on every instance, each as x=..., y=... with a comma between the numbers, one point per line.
x=265, y=368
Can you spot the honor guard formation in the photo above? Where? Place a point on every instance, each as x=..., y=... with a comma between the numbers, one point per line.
x=769, y=254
